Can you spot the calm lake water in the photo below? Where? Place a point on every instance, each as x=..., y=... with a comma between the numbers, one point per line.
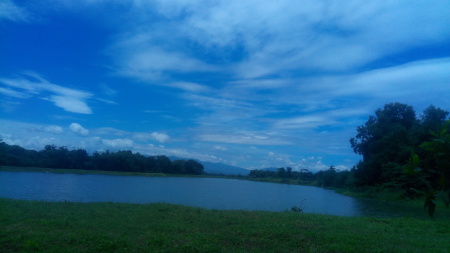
x=211, y=193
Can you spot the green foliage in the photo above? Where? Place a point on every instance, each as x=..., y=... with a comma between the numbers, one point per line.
x=388, y=138
x=281, y=172
x=434, y=171
x=385, y=138
x=393, y=137
x=193, y=167
x=298, y=209
x=15, y=155
x=124, y=160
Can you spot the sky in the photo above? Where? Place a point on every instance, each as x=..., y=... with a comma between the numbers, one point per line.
x=254, y=83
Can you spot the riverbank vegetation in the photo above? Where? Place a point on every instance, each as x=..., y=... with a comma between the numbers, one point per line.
x=33, y=226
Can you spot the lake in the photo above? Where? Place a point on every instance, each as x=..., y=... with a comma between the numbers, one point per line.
x=210, y=193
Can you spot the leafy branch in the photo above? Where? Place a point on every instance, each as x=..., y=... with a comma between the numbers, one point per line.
x=434, y=173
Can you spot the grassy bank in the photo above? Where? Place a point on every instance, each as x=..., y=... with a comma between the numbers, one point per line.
x=28, y=226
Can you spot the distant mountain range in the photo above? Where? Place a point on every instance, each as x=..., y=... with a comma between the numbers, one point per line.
x=218, y=168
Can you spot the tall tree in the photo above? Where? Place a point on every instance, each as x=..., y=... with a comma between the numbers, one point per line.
x=387, y=140
x=178, y=166
x=163, y=164
x=193, y=167
x=384, y=138
x=431, y=120
x=281, y=172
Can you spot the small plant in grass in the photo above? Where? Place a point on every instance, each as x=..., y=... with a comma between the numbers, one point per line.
x=298, y=209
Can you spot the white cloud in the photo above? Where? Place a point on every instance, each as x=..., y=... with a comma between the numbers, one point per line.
x=178, y=152
x=10, y=11
x=139, y=58
x=246, y=138
x=261, y=83
x=118, y=143
x=160, y=137
x=187, y=86
x=307, y=122
x=327, y=35
x=221, y=148
x=71, y=104
x=319, y=166
x=327, y=118
x=13, y=93
x=412, y=83
x=31, y=84
x=108, y=90
x=31, y=136
x=77, y=128
x=110, y=131
x=54, y=129
x=7, y=138
x=427, y=76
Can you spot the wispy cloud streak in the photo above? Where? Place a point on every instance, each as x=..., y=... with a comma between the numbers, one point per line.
x=31, y=84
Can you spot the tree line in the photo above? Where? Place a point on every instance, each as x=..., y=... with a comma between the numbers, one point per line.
x=325, y=178
x=63, y=158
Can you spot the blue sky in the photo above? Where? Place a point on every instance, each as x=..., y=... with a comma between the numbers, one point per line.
x=254, y=84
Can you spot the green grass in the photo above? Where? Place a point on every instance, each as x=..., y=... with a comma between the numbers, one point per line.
x=32, y=226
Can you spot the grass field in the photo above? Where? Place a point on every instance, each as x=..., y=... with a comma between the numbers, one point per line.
x=33, y=226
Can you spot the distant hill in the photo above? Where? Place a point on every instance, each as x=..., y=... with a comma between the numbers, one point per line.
x=218, y=168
